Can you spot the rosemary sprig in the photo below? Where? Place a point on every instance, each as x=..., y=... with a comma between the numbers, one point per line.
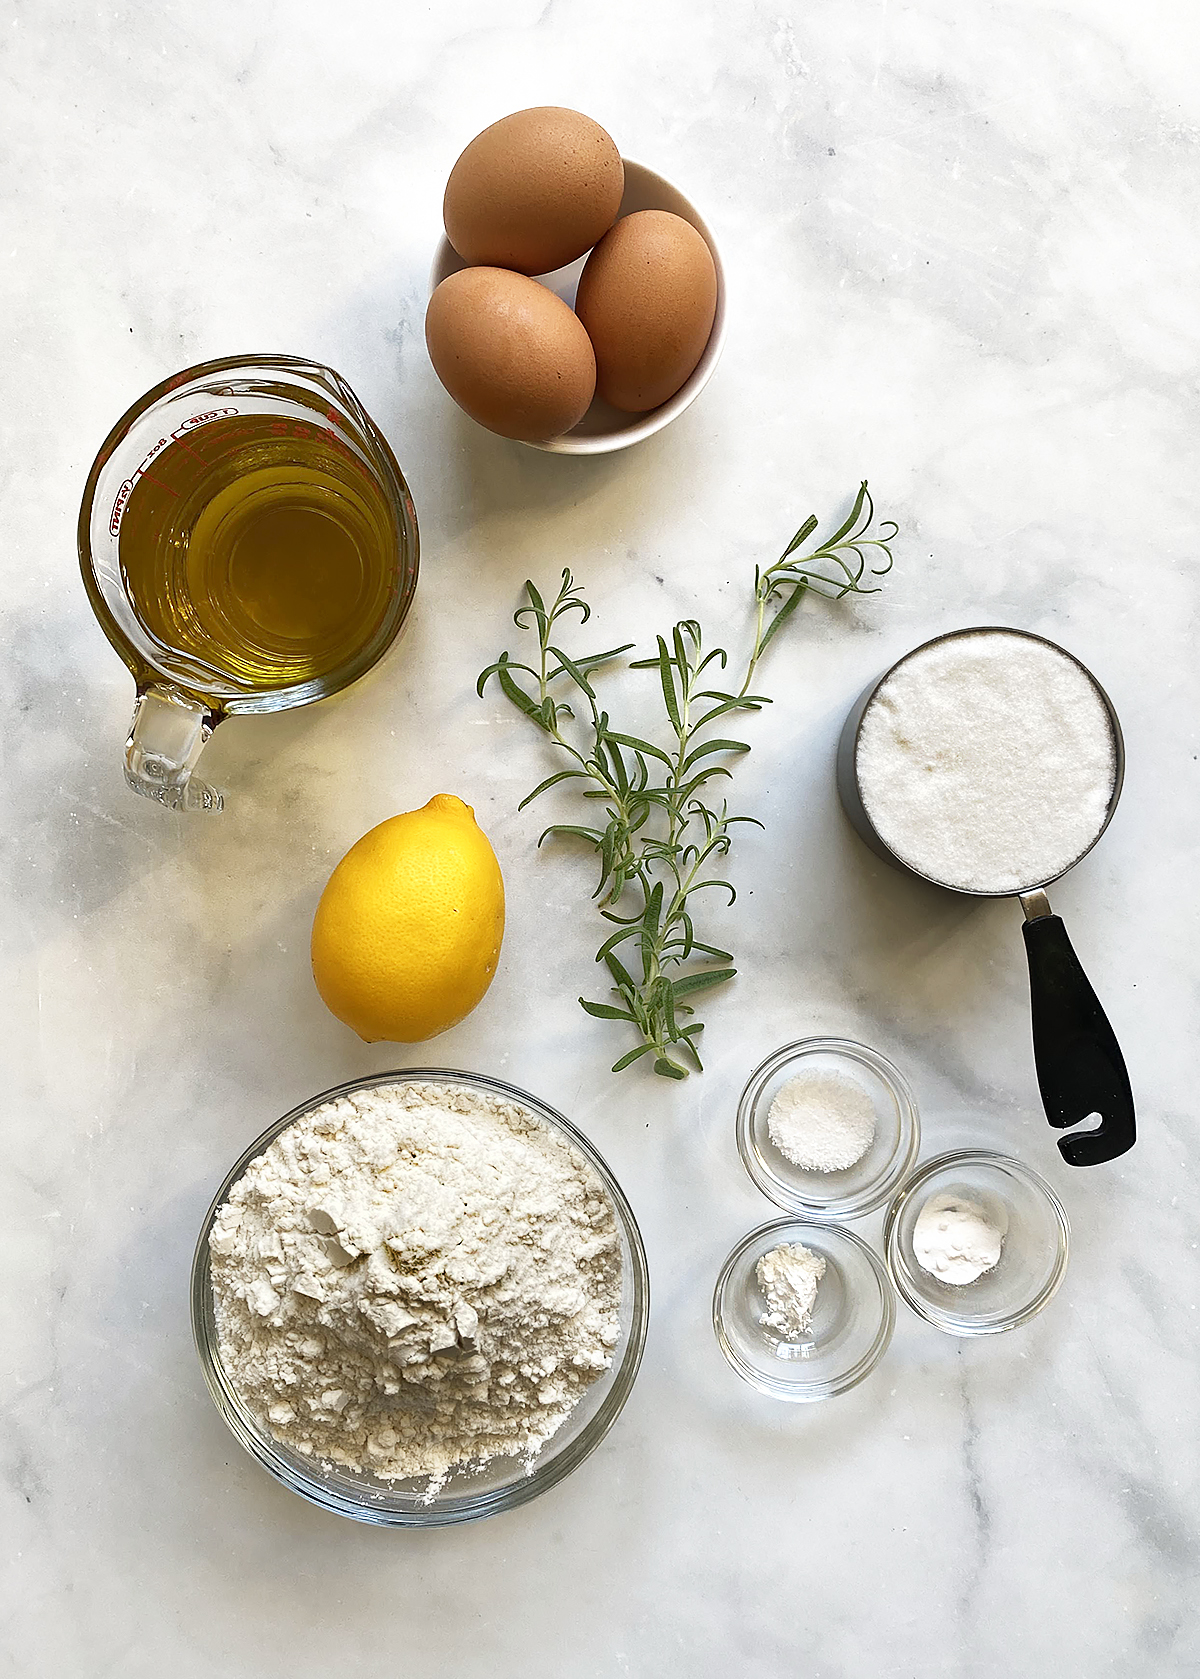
x=662, y=832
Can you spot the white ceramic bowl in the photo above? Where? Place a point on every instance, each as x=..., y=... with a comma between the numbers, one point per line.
x=604, y=428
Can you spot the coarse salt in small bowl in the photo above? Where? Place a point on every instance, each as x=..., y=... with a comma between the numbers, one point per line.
x=856, y=1189
x=1033, y=1257
x=853, y=1316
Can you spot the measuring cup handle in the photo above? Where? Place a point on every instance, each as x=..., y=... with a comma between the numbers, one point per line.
x=1080, y=1068
x=165, y=739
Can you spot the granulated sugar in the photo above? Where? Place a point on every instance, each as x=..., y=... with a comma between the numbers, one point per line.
x=987, y=761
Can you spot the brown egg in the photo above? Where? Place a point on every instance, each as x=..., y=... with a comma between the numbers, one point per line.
x=534, y=191
x=647, y=296
x=510, y=353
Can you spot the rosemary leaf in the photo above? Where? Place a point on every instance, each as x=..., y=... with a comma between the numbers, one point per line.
x=669, y=1069
x=633, y=1055
x=701, y=982
x=543, y=786
x=604, y=1011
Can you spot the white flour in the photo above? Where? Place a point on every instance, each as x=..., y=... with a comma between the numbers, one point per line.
x=788, y=1277
x=415, y=1279
x=822, y=1120
x=987, y=762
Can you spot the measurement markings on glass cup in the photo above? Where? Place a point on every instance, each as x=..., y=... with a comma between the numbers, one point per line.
x=279, y=428
x=123, y=494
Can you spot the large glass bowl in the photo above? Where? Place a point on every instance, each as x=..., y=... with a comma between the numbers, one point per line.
x=501, y=1484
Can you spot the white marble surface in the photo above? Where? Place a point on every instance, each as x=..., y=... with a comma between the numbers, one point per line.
x=962, y=241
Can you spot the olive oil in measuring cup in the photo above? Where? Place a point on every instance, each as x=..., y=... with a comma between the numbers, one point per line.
x=260, y=549
x=248, y=544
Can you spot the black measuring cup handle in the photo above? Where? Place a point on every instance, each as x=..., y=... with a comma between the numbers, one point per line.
x=1080, y=1068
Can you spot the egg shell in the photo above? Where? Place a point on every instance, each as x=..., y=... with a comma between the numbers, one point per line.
x=648, y=297
x=534, y=191
x=511, y=353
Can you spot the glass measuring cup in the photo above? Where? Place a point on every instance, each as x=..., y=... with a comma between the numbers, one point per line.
x=1080, y=1068
x=297, y=411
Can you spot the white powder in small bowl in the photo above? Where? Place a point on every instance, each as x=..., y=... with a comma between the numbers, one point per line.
x=957, y=1239
x=822, y=1120
x=788, y=1277
x=987, y=761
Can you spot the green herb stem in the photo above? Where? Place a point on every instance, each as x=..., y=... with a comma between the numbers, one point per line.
x=661, y=833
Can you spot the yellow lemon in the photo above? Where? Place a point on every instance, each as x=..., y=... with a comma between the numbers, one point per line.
x=407, y=933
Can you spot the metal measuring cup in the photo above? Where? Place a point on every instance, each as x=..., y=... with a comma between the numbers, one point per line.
x=1080, y=1068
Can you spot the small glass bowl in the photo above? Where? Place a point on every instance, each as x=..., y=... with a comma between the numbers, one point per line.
x=861, y=1187
x=501, y=1484
x=852, y=1322
x=1033, y=1260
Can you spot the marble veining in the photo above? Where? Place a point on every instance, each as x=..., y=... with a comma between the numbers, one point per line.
x=961, y=243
